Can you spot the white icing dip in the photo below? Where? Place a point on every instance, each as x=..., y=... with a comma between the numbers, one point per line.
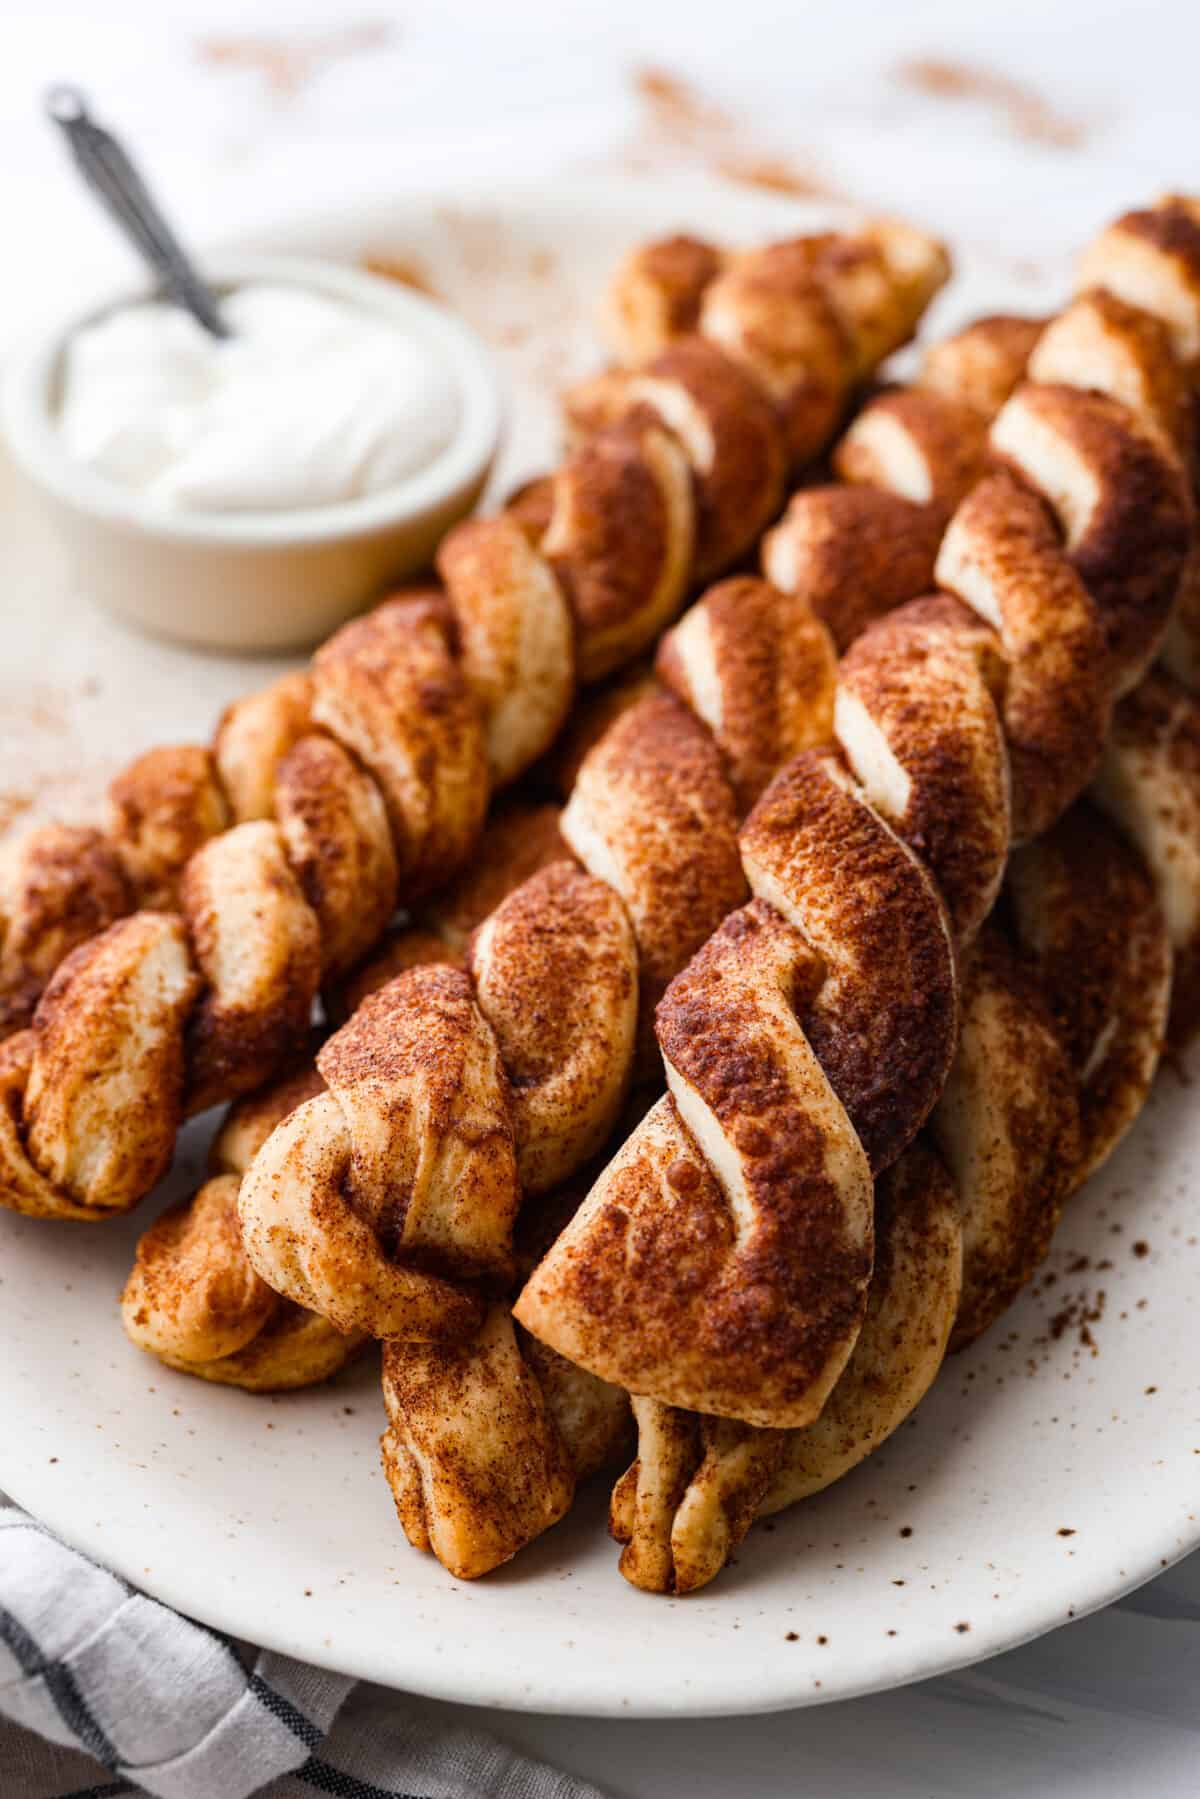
x=309, y=402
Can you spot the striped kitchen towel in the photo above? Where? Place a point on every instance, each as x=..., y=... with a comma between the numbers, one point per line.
x=102, y=1675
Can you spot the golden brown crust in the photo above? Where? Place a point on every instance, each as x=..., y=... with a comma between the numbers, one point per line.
x=656, y=294
x=515, y=638
x=1151, y=259
x=339, y=846
x=194, y=1300
x=555, y=970
x=620, y=542
x=474, y=1460
x=923, y=445
x=652, y=815
x=1122, y=501
x=883, y=1016
x=162, y=808
x=192, y=1294
x=1002, y=556
x=917, y=721
x=105, y=1081
x=1100, y=344
x=59, y=886
x=984, y=363
x=852, y=554
x=733, y=442
x=741, y=1298
x=1008, y=1126
x=255, y=939
x=759, y=670
x=389, y=688
x=1086, y=911
x=769, y=310
x=252, y=738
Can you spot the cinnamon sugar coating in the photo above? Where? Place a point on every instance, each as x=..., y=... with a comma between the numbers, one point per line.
x=389, y=688
x=192, y=1297
x=162, y=808
x=59, y=886
x=983, y=363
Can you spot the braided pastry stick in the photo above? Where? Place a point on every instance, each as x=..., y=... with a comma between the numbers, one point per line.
x=668, y=835
x=975, y=774
x=1019, y=1123
x=417, y=707
x=508, y=1073
x=193, y=1298
x=496, y=1415
x=1130, y=335
x=438, y=701
x=699, y=1481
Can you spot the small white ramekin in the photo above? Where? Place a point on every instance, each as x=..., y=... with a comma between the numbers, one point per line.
x=253, y=580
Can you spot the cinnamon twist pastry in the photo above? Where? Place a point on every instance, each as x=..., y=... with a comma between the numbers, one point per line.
x=810, y=318
x=490, y=1434
x=1061, y=1032
x=913, y=707
x=504, y=1075
x=366, y=780
x=193, y=1298
x=1035, y=1097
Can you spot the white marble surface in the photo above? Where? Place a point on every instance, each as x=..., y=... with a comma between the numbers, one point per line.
x=244, y=115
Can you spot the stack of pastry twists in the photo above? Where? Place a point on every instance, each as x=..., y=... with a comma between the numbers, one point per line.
x=746, y=1298
x=275, y=859
x=736, y=1267
x=1061, y=1029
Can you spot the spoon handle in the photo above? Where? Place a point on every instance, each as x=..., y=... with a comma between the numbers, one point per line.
x=108, y=171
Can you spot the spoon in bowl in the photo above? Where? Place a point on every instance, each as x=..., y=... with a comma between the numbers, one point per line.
x=110, y=173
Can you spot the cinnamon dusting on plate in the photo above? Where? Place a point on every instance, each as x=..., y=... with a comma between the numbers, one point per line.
x=405, y=270
x=1025, y=113
x=680, y=124
x=289, y=65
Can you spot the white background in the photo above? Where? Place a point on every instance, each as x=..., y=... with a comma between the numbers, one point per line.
x=244, y=112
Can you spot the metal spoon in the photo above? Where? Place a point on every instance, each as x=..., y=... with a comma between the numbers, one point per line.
x=108, y=171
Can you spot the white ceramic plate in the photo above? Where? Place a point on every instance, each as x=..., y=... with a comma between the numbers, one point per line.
x=1051, y=1469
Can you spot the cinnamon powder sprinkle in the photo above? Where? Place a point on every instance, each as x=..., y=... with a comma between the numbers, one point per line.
x=289, y=65
x=406, y=271
x=678, y=121
x=1025, y=113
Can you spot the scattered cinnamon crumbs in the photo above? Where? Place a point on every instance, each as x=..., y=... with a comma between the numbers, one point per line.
x=404, y=270
x=1025, y=112
x=289, y=65
x=776, y=175
x=678, y=122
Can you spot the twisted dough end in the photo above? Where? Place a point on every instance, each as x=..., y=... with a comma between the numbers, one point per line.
x=193, y=1299
x=474, y=1460
x=192, y=1295
x=698, y=1483
x=94, y=1091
